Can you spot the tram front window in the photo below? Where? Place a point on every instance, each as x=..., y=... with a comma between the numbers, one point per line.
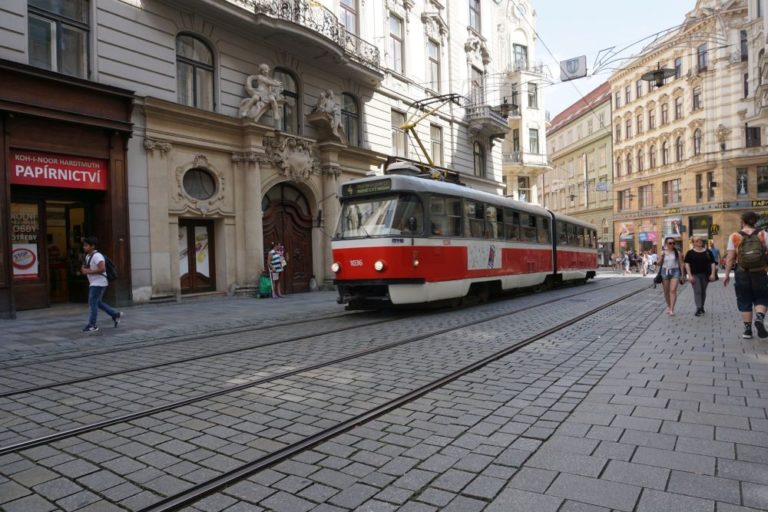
x=391, y=215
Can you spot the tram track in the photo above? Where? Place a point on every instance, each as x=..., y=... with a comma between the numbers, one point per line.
x=63, y=434
x=200, y=491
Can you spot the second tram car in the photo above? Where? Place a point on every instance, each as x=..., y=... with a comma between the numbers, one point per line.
x=410, y=240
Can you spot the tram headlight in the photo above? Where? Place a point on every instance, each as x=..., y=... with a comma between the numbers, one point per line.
x=335, y=267
x=378, y=266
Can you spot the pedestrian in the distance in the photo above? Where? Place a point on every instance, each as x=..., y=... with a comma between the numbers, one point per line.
x=701, y=268
x=275, y=263
x=716, y=255
x=671, y=273
x=747, y=254
x=95, y=269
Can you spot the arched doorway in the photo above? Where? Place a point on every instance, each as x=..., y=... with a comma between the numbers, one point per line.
x=288, y=219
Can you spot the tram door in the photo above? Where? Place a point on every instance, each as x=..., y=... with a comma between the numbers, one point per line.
x=196, y=256
x=288, y=219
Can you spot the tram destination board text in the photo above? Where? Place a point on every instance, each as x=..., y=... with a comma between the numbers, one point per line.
x=368, y=187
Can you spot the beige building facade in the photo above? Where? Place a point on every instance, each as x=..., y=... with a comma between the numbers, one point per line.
x=581, y=179
x=690, y=154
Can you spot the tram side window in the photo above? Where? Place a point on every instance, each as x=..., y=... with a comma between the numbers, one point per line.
x=570, y=229
x=445, y=216
x=580, y=232
x=528, y=227
x=511, y=225
x=474, y=215
x=594, y=239
x=562, y=236
x=493, y=221
x=543, y=225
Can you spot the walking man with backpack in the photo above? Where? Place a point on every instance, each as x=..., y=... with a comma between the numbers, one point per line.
x=96, y=269
x=747, y=251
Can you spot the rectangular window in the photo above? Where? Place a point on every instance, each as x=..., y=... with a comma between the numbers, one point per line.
x=396, y=56
x=349, y=15
x=625, y=200
x=671, y=192
x=744, y=45
x=646, y=196
x=710, y=186
x=742, y=181
x=445, y=215
x=57, y=36
x=433, y=63
x=399, y=137
x=627, y=94
x=678, y=67
x=639, y=124
x=474, y=15
x=762, y=180
x=652, y=119
x=436, y=136
x=746, y=85
x=629, y=128
x=533, y=140
x=516, y=140
x=696, y=98
x=664, y=114
x=639, y=89
x=474, y=219
x=511, y=224
x=476, y=87
x=702, y=57
x=618, y=99
x=678, y=108
x=521, y=57
x=524, y=189
x=753, y=136
x=533, y=95
x=699, y=188
x=618, y=133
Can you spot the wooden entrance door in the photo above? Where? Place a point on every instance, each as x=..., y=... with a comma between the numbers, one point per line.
x=196, y=256
x=288, y=219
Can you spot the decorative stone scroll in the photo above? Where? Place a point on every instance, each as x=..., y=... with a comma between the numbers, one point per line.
x=151, y=145
x=476, y=49
x=293, y=157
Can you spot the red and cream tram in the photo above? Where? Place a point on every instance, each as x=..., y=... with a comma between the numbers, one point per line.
x=409, y=240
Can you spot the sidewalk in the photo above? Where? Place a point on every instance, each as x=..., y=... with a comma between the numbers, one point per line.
x=59, y=328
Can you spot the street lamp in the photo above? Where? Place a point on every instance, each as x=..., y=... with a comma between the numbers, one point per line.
x=658, y=75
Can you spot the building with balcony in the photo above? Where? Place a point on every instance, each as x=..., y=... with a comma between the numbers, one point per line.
x=689, y=149
x=216, y=127
x=580, y=181
x=525, y=156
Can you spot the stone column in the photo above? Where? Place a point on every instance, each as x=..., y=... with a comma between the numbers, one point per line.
x=249, y=232
x=329, y=203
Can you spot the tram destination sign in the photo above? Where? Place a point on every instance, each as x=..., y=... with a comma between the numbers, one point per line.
x=366, y=187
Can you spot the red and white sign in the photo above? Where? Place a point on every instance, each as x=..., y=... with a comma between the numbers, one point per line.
x=52, y=170
x=24, y=261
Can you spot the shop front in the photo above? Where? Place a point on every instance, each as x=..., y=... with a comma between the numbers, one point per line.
x=64, y=177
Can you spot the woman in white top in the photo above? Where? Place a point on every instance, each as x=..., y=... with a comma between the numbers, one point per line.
x=671, y=272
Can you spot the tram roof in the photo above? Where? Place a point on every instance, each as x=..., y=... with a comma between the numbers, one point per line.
x=419, y=184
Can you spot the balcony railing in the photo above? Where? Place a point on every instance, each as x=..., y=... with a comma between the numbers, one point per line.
x=481, y=112
x=318, y=19
x=521, y=158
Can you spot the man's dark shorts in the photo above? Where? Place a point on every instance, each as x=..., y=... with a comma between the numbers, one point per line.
x=751, y=288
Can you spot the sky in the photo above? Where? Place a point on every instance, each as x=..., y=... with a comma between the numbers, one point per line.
x=570, y=28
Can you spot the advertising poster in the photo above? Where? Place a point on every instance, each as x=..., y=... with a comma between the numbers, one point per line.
x=626, y=230
x=673, y=227
x=700, y=226
x=25, y=261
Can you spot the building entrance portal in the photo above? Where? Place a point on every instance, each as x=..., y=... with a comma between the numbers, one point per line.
x=288, y=219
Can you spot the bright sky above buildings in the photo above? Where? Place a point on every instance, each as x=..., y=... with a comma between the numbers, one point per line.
x=570, y=28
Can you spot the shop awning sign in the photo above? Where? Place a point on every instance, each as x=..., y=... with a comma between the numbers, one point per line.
x=53, y=170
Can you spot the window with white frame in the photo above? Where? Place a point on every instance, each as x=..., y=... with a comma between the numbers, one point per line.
x=679, y=149
x=639, y=89
x=290, y=108
x=639, y=124
x=194, y=72
x=696, y=96
x=645, y=196
x=678, y=108
x=697, y=141
x=702, y=57
x=533, y=95
x=628, y=124
x=678, y=67
x=652, y=157
x=640, y=160
x=652, y=118
x=350, y=118
x=664, y=114
x=629, y=163
x=520, y=56
x=57, y=36
x=349, y=15
x=671, y=192
x=399, y=137
x=396, y=56
x=533, y=140
x=664, y=153
x=433, y=65
x=436, y=138
x=478, y=153
x=474, y=15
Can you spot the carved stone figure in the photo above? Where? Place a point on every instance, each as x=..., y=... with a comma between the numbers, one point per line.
x=265, y=93
x=327, y=115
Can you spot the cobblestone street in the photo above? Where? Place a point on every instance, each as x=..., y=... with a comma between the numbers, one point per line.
x=626, y=409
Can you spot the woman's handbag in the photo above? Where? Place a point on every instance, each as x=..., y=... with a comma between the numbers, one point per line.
x=658, y=279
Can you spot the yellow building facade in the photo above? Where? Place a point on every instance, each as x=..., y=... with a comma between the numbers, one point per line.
x=689, y=151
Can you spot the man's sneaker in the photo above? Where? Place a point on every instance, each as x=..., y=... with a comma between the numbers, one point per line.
x=117, y=318
x=747, y=334
x=90, y=328
x=761, y=331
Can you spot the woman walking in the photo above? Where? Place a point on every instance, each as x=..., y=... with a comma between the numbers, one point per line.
x=671, y=273
x=701, y=267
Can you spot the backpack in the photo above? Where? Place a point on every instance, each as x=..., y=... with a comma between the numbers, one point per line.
x=110, y=270
x=751, y=253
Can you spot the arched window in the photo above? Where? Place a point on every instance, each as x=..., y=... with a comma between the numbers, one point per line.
x=664, y=153
x=640, y=161
x=697, y=141
x=194, y=72
x=350, y=119
x=479, y=159
x=290, y=111
x=629, y=163
x=618, y=166
x=679, y=149
x=652, y=157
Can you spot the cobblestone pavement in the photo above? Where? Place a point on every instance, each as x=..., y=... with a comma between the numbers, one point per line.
x=626, y=410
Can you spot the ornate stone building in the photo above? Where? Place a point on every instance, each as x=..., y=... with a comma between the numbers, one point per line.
x=243, y=119
x=690, y=154
x=580, y=182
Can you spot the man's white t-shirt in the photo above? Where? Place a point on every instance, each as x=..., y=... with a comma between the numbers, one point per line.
x=92, y=260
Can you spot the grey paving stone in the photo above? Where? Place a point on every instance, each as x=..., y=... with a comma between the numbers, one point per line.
x=567, y=462
x=636, y=474
x=516, y=500
x=464, y=504
x=29, y=504
x=484, y=487
x=656, y=501
x=284, y=502
x=755, y=496
x=603, y=493
x=718, y=489
x=699, y=464
x=10, y=491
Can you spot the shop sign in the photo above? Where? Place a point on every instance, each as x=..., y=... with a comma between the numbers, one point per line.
x=52, y=170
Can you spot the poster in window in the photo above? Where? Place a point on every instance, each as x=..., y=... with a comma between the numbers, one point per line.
x=742, y=183
x=626, y=230
x=673, y=227
x=25, y=228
